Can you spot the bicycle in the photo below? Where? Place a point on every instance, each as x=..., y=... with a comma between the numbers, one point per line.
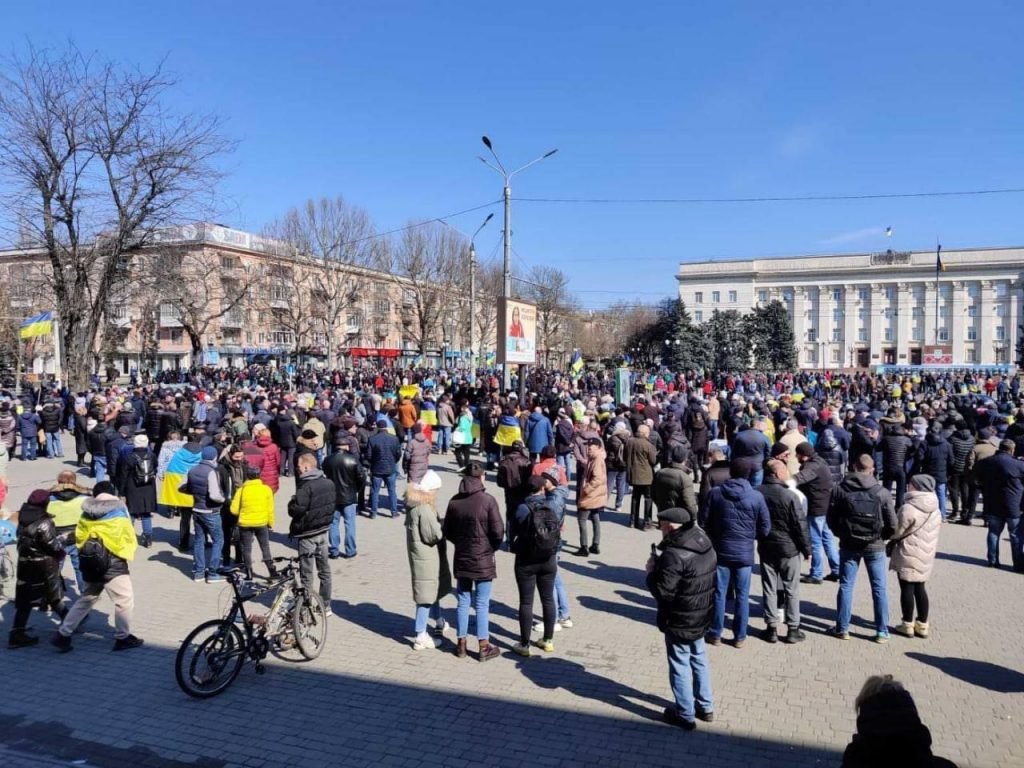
x=212, y=655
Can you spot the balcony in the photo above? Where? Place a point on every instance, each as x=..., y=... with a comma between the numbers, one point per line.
x=170, y=318
x=279, y=303
x=352, y=330
x=233, y=320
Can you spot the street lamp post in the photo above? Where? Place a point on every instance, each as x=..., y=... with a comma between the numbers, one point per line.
x=506, y=287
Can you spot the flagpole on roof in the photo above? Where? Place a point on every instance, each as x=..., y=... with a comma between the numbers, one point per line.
x=938, y=263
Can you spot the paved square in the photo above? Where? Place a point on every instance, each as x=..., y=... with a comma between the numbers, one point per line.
x=371, y=700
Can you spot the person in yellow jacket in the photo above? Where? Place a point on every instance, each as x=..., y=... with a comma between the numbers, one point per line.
x=66, y=499
x=106, y=544
x=253, y=505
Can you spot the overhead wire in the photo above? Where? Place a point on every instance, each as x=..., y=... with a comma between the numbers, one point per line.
x=767, y=199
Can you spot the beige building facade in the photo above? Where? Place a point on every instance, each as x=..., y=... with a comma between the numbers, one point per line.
x=876, y=309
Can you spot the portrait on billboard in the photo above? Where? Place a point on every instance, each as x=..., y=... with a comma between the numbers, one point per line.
x=519, y=328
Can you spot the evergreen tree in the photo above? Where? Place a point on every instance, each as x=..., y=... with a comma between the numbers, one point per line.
x=728, y=340
x=687, y=348
x=770, y=332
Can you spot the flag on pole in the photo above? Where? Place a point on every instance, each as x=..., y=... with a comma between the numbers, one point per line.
x=939, y=266
x=888, y=231
x=40, y=325
x=491, y=359
x=576, y=364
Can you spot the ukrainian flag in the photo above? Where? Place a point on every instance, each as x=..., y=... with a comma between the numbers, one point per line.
x=508, y=431
x=491, y=359
x=428, y=412
x=409, y=390
x=576, y=365
x=186, y=457
x=476, y=422
x=40, y=325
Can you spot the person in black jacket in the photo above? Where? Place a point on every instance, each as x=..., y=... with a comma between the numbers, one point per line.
x=780, y=552
x=682, y=581
x=311, y=510
x=896, y=446
x=815, y=480
x=285, y=431
x=935, y=459
x=40, y=549
x=344, y=470
x=962, y=444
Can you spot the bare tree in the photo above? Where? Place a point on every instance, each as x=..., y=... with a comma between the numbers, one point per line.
x=428, y=265
x=96, y=166
x=548, y=288
x=286, y=298
x=489, y=281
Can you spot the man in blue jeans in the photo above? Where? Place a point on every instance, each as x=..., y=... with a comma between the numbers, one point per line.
x=737, y=517
x=344, y=470
x=1001, y=478
x=682, y=580
x=385, y=451
x=863, y=517
x=203, y=485
x=814, y=481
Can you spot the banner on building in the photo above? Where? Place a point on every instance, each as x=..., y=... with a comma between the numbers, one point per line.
x=937, y=355
x=517, y=322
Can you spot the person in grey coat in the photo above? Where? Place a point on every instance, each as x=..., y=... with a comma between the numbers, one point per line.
x=416, y=460
x=428, y=558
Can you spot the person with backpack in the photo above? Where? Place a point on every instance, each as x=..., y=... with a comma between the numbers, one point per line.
x=137, y=481
x=615, y=462
x=862, y=515
x=513, y=472
x=535, y=539
x=106, y=544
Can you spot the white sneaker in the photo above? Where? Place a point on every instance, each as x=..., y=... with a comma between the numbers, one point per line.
x=424, y=641
x=538, y=626
x=565, y=623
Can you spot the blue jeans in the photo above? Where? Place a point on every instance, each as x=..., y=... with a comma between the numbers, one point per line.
x=995, y=530
x=206, y=524
x=54, y=448
x=376, y=482
x=822, y=538
x=425, y=611
x=29, y=446
x=940, y=491
x=713, y=428
x=564, y=460
x=689, y=674
x=739, y=576
x=617, y=481
x=99, y=468
x=334, y=534
x=71, y=549
x=479, y=592
x=561, y=597
x=444, y=439
x=848, y=567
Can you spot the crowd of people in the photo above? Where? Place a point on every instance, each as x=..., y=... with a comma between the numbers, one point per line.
x=825, y=468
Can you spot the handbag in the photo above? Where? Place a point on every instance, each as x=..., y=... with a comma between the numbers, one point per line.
x=890, y=545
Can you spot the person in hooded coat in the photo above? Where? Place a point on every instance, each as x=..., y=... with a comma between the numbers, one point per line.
x=428, y=559
x=137, y=481
x=416, y=459
x=914, y=545
x=40, y=549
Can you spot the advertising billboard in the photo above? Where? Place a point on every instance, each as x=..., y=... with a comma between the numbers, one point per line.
x=517, y=323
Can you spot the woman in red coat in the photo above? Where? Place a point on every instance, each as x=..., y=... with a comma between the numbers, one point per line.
x=271, y=470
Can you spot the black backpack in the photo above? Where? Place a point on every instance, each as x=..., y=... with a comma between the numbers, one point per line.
x=863, y=517
x=541, y=533
x=94, y=559
x=143, y=470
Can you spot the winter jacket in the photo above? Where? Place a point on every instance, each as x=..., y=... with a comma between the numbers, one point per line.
x=539, y=433
x=917, y=536
x=641, y=457
x=474, y=527
x=615, y=451
x=8, y=429
x=384, y=453
x=935, y=458
x=833, y=454
x=139, y=497
x=285, y=431
x=896, y=446
x=344, y=470
x=751, y=449
x=428, y=558
x=66, y=505
x=982, y=450
x=1001, y=478
x=593, y=485
x=815, y=482
x=962, y=443
x=270, y=472
x=107, y=519
x=673, y=487
x=51, y=417
x=416, y=460
x=312, y=507
x=253, y=505
x=203, y=485
x=683, y=584
x=152, y=423
x=29, y=424
x=737, y=517
x=838, y=512
x=714, y=476
x=40, y=549
x=788, y=536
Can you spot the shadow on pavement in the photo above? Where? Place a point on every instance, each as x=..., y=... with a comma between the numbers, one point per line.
x=618, y=575
x=965, y=559
x=983, y=674
x=369, y=616
x=646, y=616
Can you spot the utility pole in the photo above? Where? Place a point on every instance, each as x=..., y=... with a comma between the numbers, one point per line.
x=472, y=308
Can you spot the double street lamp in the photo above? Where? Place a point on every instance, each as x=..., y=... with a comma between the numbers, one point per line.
x=506, y=288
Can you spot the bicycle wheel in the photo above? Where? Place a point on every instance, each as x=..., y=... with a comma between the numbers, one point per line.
x=210, y=659
x=309, y=620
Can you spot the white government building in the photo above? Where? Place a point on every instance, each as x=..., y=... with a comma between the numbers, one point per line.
x=877, y=309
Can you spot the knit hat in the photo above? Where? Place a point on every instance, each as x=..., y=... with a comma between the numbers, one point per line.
x=209, y=453
x=676, y=515
x=39, y=498
x=430, y=482
x=141, y=441
x=923, y=483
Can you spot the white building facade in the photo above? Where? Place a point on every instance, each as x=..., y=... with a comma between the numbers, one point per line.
x=877, y=309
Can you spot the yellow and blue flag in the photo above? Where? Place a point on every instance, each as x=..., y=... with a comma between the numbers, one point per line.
x=186, y=457
x=40, y=325
x=491, y=359
x=508, y=431
x=576, y=364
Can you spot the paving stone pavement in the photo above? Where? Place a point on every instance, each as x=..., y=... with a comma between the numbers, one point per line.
x=371, y=700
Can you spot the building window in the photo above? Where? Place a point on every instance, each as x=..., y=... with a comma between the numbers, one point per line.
x=787, y=296
x=973, y=290
x=812, y=334
x=1002, y=290
x=1000, y=333
x=812, y=356
x=945, y=291
x=232, y=336
x=762, y=297
x=917, y=311
x=862, y=334
x=1001, y=355
x=943, y=334
x=732, y=297
x=863, y=293
x=890, y=292
x=172, y=335
x=382, y=306
x=1000, y=310
x=248, y=337
x=837, y=294
x=837, y=334
x=862, y=314
x=837, y=315
x=698, y=316
x=888, y=334
x=917, y=333
x=972, y=356
x=972, y=311
x=716, y=296
x=972, y=333
x=698, y=297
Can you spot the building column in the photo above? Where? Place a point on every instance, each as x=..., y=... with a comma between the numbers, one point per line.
x=825, y=327
x=958, y=322
x=904, y=321
x=875, y=322
x=986, y=335
x=849, y=325
x=800, y=325
x=929, y=314
x=1013, y=318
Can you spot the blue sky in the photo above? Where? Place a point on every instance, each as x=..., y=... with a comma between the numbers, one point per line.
x=385, y=103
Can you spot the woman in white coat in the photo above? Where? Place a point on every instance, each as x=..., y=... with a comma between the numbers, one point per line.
x=428, y=560
x=912, y=552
